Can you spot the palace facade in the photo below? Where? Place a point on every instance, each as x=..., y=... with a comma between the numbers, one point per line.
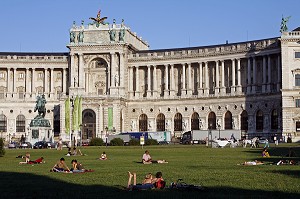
x=251, y=86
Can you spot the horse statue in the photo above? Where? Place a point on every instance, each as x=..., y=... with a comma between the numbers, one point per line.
x=40, y=106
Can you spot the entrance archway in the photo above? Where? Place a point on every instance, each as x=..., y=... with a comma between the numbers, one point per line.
x=89, y=124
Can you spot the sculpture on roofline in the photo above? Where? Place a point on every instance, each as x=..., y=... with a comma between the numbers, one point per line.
x=283, y=26
x=98, y=20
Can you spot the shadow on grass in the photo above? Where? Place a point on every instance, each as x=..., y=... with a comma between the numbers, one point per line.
x=292, y=173
x=24, y=185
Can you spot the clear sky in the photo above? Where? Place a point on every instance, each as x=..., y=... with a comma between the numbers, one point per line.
x=43, y=25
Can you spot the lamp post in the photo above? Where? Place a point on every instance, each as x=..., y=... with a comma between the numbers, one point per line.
x=219, y=128
x=80, y=134
x=106, y=129
x=1, y=134
x=209, y=133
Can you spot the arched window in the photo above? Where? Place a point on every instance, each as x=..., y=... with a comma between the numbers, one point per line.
x=195, y=121
x=160, y=122
x=228, y=120
x=3, y=123
x=143, y=122
x=20, y=123
x=274, y=119
x=212, y=120
x=178, y=122
x=259, y=120
x=89, y=124
x=244, y=121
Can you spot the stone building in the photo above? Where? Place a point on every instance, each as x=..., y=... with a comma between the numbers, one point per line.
x=250, y=86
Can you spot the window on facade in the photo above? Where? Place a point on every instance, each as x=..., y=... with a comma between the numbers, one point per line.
x=244, y=121
x=40, y=76
x=2, y=93
x=195, y=121
x=178, y=122
x=297, y=80
x=21, y=75
x=143, y=122
x=160, y=122
x=274, y=119
x=259, y=121
x=212, y=120
x=3, y=123
x=2, y=75
x=58, y=76
x=297, y=101
x=100, y=91
x=228, y=120
x=21, y=93
x=298, y=126
x=20, y=123
x=297, y=54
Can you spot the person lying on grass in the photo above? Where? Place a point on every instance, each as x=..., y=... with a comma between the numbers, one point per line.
x=146, y=159
x=60, y=166
x=37, y=161
x=250, y=163
x=148, y=183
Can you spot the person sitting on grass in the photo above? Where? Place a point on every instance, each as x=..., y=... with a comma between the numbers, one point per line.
x=103, y=156
x=146, y=159
x=265, y=153
x=158, y=181
x=146, y=184
x=60, y=166
x=77, y=167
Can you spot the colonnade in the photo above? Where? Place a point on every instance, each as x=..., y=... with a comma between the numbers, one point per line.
x=244, y=75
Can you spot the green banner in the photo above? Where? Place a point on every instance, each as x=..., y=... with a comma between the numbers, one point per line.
x=67, y=115
x=80, y=112
x=75, y=115
x=110, y=118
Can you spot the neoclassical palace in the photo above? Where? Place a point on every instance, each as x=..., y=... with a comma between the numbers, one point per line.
x=251, y=86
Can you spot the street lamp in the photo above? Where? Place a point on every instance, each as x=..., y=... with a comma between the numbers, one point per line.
x=106, y=129
x=209, y=133
x=219, y=128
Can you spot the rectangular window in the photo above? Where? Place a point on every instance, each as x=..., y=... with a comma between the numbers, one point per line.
x=2, y=76
x=297, y=126
x=297, y=80
x=297, y=54
x=297, y=103
x=21, y=95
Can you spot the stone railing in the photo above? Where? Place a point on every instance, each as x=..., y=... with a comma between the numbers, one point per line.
x=34, y=58
x=207, y=50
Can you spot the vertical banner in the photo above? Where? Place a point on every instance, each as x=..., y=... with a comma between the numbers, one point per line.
x=79, y=112
x=75, y=115
x=110, y=118
x=67, y=116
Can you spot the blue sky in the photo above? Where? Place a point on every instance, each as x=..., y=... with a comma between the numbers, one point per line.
x=43, y=25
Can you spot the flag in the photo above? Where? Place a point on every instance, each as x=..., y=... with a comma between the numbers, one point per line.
x=67, y=115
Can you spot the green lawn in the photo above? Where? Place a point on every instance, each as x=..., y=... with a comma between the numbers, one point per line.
x=214, y=168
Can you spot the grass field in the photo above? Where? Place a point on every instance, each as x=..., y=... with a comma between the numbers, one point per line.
x=214, y=168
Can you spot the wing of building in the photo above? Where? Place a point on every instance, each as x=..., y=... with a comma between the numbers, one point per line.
x=249, y=86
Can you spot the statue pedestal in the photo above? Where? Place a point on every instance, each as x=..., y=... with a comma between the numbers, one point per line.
x=40, y=130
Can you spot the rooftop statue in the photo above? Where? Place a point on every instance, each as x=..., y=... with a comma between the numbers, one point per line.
x=98, y=20
x=283, y=26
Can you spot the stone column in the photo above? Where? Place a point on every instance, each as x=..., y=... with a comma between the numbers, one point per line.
x=249, y=76
x=166, y=91
x=33, y=91
x=269, y=75
x=64, y=76
x=52, y=82
x=130, y=82
x=46, y=82
x=149, y=81
x=122, y=68
x=14, y=80
x=233, y=76
x=27, y=89
x=8, y=84
x=200, y=86
x=72, y=69
x=112, y=67
x=137, y=92
x=206, y=91
x=183, y=91
x=223, y=88
x=217, y=85
x=278, y=72
x=239, y=86
x=154, y=82
x=254, y=75
x=81, y=71
x=172, y=83
x=264, y=75
x=189, y=77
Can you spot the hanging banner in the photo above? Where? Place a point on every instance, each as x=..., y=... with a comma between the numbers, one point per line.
x=110, y=118
x=67, y=116
x=75, y=115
